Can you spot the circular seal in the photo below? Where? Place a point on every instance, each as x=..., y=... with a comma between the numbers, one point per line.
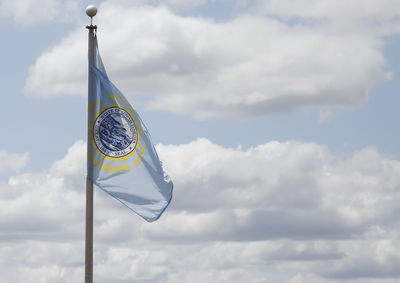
x=115, y=133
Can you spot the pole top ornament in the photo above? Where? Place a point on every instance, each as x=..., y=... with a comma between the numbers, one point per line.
x=91, y=11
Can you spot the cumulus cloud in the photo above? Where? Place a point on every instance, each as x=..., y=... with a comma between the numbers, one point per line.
x=28, y=12
x=280, y=211
x=380, y=10
x=182, y=3
x=11, y=162
x=373, y=18
x=249, y=66
x=277, y=190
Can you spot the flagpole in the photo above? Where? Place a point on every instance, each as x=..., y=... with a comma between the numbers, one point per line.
x=91, y=12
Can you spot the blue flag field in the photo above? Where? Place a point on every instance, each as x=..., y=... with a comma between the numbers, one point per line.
x=122, y=160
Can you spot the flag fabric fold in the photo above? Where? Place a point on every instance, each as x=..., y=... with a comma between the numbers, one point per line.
x=122, y=160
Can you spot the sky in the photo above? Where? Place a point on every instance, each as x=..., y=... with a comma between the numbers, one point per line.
x=276, y=120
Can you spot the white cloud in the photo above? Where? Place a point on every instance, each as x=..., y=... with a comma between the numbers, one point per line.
x=280, y=211
x=28, y=12
x=64, y=73
x=277, y=190
x=331, y=9
x=182, y=3
x=11, y=162
x=353, y=16
x=252, y=65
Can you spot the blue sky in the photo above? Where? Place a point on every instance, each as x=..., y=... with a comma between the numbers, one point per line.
x=277, y=122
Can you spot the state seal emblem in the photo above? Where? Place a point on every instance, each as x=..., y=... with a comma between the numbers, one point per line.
x=115, y=133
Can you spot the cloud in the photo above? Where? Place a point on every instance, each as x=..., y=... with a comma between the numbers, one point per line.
x=28, y=12
x=182, y=3
x=292, y=190
x=12, y=162
x=370, y=260
x=280, y=211
x=381, y=18
x=251, y=65
x=354, y=10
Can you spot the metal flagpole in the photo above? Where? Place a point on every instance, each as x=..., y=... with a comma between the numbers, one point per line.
x=91, y=12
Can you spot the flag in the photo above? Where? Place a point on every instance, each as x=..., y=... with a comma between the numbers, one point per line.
x=122, y=160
